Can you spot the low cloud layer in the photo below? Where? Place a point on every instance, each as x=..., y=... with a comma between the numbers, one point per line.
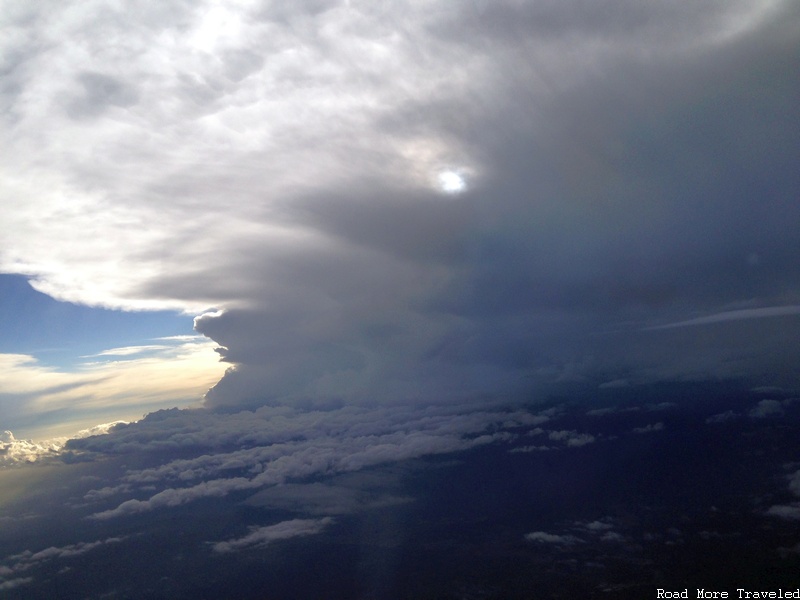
x=614, y=492
x=269, y=447
x=261, y=536
x=16, y=452
x=29, y=560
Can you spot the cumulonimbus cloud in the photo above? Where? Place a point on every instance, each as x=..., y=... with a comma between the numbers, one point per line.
x=284, y=165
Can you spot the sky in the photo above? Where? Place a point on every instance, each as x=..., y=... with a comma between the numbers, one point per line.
x=377, y=214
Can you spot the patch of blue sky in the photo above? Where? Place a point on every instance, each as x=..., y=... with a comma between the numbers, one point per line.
x=63, y=335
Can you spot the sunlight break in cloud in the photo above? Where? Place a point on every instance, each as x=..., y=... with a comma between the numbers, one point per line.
x=20, y=452
x=169, y=375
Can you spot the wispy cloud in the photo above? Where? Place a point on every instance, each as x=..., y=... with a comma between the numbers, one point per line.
x=277, y=445
x=552, y=538
x=169, y=375
x=261, y=536
x=129, y=350
x=734, y=315
x=27, y=560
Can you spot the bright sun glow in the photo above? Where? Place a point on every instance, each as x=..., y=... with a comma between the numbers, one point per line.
x=451, y=182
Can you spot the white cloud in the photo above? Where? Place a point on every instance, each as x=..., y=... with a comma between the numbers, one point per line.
x=28, y=559
x=525, y=449
x=790, y=512
x=794, y=483
x=70, y=550
x=173, y=114
x=280, y=444
x=106, y=492
x=766, y=408
x=10, y=584
x=602, y=529
x=14, y=451
x=571, y=438
x=735, y=315
x=129, y=350
x=728, y=415
x=597, y=526
x=550, y=538
x=179, y=373
x=261, y=536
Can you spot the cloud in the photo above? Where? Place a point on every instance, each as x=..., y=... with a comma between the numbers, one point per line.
x=106, y=492
x=736, y=315
x=794, y=483
x=15, y=452
x=262, y=536
x=10, y=584
x=597, y=526
x=525, y=449
x=550, y=538
x=70, y=550
x=790, y=512
x=252, y=450
x=602, y=530
x=572, y=439
x=649, y=428
x=170, y=374
x=29, y=559
x=766, y=408
x=723, y=417
x=282, y=166
x=129, y=350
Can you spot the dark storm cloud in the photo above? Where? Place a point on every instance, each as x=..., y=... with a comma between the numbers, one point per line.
x=625, y=170
x=629, y=196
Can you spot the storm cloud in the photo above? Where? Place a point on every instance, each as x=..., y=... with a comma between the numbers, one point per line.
x=416, y=202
